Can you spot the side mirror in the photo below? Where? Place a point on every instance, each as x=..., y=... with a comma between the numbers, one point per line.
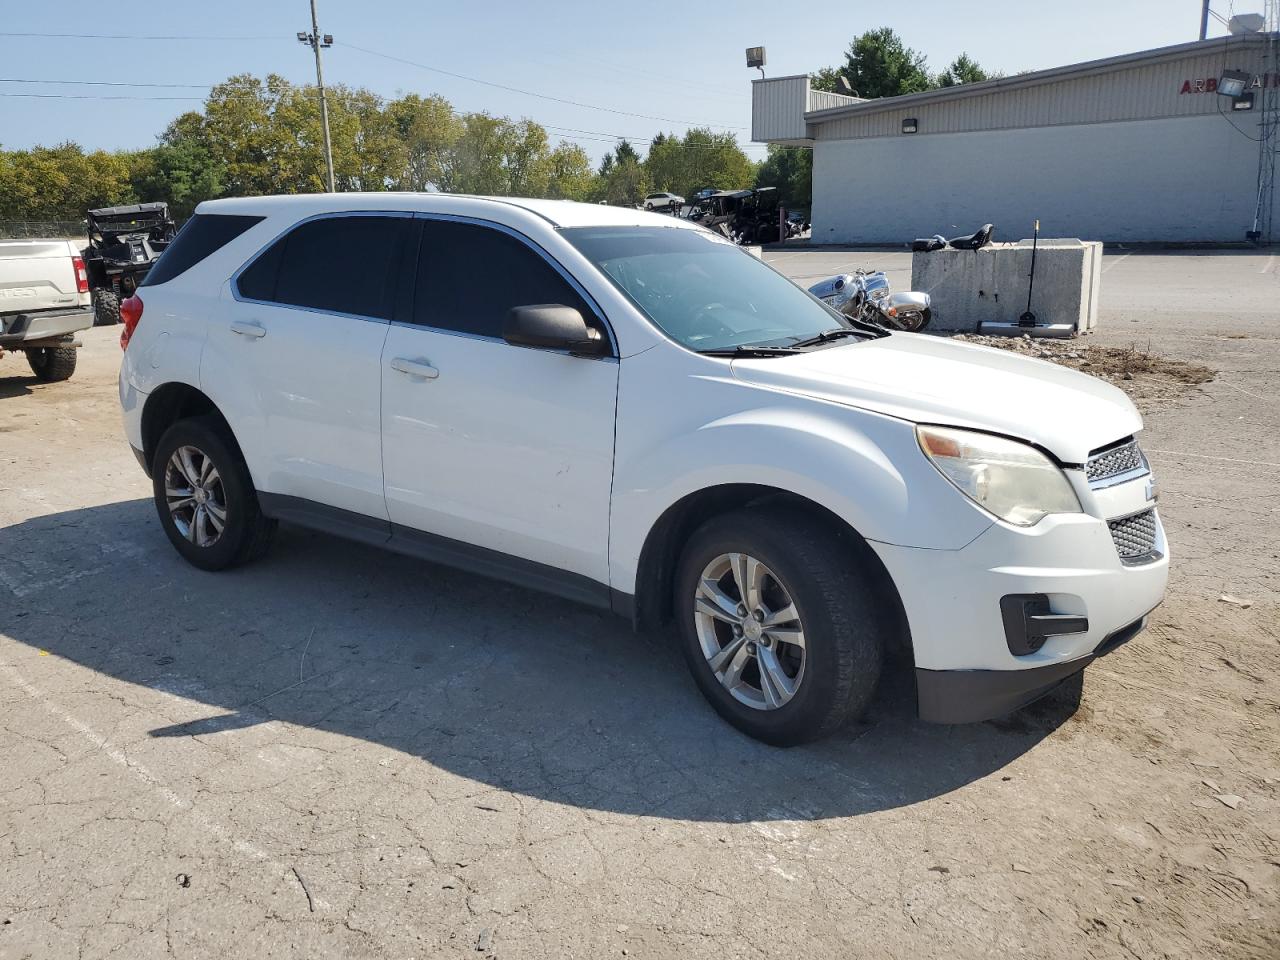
x=553, y=326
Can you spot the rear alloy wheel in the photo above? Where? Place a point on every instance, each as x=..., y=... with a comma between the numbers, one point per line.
x=196, y=498
x=205, y=498
x=779, y=622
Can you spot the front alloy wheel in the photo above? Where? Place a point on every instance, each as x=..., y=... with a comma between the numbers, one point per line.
x=749, y=631
x=779, y=621
x=195, y=496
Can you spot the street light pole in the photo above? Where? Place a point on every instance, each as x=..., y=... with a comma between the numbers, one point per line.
x=316, y=40
x=1204, y=18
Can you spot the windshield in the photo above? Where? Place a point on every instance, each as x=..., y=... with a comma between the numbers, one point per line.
x=702, y=290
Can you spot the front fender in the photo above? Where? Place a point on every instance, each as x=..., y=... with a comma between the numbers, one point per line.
x=866, y=468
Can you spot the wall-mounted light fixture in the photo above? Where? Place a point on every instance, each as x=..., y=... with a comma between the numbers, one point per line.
x=755, y=58
x=1232, y=82
x=1243, y=102
x=910, y=125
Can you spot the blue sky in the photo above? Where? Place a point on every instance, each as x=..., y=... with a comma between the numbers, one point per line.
x=678, y=60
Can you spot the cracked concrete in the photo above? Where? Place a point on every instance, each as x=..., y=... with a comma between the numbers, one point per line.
x=453, y=763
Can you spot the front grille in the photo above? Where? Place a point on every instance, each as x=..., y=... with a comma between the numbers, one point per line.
x=1124, y=458
x=1135, y=536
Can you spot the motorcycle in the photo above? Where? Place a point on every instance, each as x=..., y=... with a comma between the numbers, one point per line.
x=866, y=296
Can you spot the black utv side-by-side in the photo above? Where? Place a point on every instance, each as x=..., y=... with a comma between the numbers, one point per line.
x=124, y=242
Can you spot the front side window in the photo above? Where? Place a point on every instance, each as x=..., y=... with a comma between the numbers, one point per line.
x=470, y=276
x=338, y=264
x=702, y=291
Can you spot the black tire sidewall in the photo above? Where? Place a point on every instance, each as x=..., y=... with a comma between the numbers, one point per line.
x=52, y=364
x=823, y=701
x=106, y=308
x=242, y=509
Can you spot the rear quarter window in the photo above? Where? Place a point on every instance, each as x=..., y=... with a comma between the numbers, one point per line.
x=201, y=236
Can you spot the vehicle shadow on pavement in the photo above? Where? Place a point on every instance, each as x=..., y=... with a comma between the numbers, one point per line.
x=19, y=386
x=486, y=681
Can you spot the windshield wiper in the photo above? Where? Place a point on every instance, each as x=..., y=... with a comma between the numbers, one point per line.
x=748, y=350
x=828, y=335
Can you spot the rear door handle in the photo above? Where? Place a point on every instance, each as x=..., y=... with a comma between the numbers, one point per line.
x=245, y=329
x=415, y=368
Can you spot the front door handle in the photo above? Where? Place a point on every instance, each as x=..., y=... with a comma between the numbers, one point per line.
x=415, y=368
x=245, y=329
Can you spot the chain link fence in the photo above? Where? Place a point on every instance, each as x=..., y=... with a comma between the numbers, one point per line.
x=41, y=229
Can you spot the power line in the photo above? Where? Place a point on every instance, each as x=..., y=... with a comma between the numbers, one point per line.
x=110, y=83
x=531, y=93
x=132, y=36
x=364, y=50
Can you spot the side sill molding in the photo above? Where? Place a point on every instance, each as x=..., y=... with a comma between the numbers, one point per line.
x=437, y=549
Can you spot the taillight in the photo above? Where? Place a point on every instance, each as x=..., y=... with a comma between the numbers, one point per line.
x=82, y=275
x=130, y=314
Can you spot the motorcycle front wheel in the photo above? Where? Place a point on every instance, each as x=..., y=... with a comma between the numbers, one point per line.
x=915, y=321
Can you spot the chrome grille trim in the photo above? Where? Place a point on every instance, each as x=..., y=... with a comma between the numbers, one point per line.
x=1135, y=537
x=1115, y=464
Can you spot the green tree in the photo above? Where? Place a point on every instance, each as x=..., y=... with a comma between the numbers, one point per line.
x=571, y=176
x=790, y=169
x=878, y=64
x=428, y=128
x=625, y=184
x=526, y=159
x=61, y=183
x=180, y=171
x=699, y=159
x=963, y=69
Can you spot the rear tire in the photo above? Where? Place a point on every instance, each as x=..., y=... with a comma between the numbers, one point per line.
x=808, y=570
x=52, y=364
x=198, y=457
x=106, y=308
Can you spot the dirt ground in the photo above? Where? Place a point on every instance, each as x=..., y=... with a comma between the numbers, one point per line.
x=340, y=752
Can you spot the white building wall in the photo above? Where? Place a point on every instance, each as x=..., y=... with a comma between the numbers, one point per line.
x=1173, y=179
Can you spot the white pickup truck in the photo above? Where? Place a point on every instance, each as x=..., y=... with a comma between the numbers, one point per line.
x=44, y=303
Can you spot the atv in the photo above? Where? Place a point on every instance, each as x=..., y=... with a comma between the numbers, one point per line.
x=123, y=244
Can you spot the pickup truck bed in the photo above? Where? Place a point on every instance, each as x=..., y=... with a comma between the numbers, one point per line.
x=44, y=302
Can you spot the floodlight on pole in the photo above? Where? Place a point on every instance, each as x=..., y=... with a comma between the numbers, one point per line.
x=318, y=41
x=755, y=58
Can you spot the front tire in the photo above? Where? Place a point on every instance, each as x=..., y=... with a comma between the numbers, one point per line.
x=52, y=364
x=205, y=497
x=778, y=624
x=106, y=308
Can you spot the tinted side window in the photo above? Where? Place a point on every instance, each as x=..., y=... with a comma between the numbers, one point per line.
x=341, y=264
x=258, y=280
x=200, y=236
x=469, y=276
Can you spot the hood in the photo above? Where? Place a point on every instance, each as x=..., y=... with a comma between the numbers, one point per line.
x=927, y=379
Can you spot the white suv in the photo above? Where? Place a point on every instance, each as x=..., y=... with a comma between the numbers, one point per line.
x=629, y=411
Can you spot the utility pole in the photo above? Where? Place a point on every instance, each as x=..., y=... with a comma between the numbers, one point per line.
x=1204, y=23
x=316, y=40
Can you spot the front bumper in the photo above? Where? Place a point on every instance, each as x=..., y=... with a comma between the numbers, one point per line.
x=28, y=329
x=966, y=665
x=967, y=696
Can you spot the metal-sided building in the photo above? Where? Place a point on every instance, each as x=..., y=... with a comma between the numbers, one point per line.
x=1139, y=147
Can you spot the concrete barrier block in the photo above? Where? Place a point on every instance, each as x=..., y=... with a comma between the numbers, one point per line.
x=973, y=287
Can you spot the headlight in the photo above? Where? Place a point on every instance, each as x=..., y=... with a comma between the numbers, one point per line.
x=1012, y=480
